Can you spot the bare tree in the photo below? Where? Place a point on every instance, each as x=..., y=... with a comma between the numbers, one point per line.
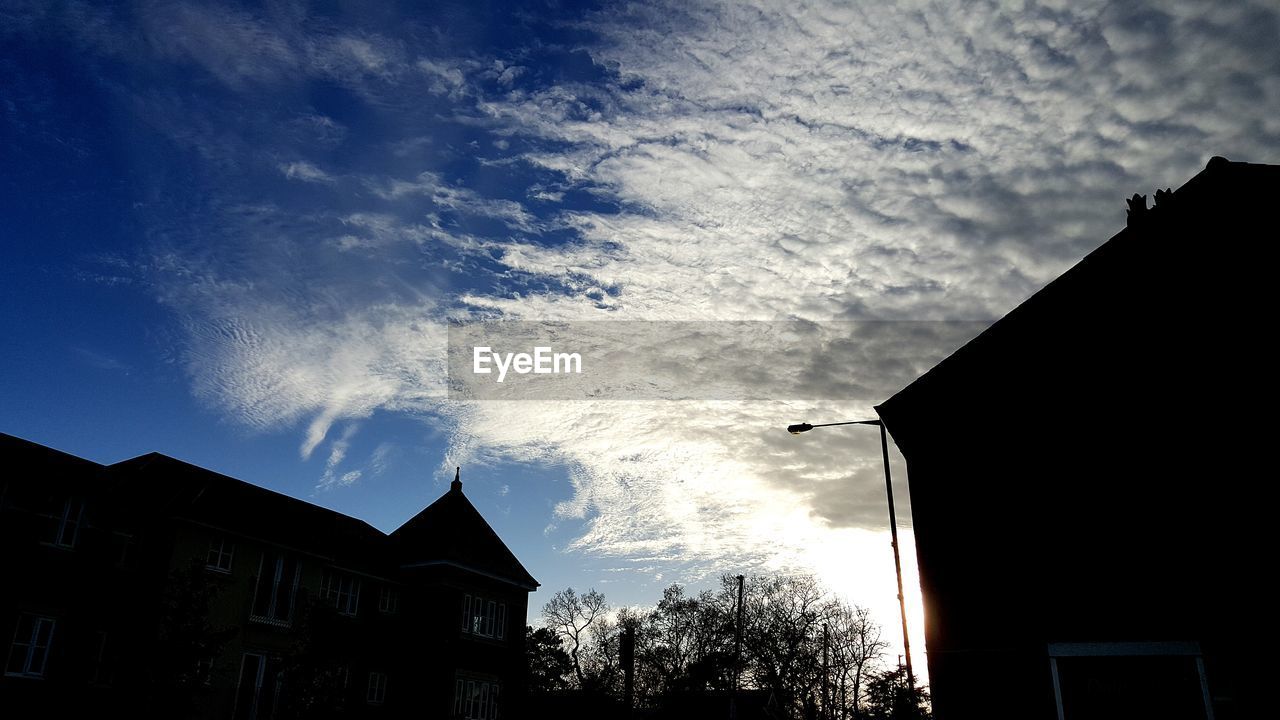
x=783, y=636
x=688, y=644
x=856, y=647
x=672, y=635
x=602, y=669
x=571, y=616
x=783, y=643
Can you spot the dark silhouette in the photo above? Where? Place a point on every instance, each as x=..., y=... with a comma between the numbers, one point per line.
x=889, y=698
x=155, y=588
x=1137, y=211
x=571, y=616
x=187, y=644
x=802, y=652
x=1081, y=474
x=550, y=667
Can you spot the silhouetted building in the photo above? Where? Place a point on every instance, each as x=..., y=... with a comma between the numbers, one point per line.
x=1082, y=474
x=153, y=587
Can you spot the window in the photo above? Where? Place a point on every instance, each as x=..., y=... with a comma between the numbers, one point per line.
x=274, y=590
x=342, y=591
x=1129, y=679
x=377, y=688
x=475, y=698
x=485, y=618
x=220, y=554
x=258, y=689
x=65, y=527
x=388, y=600
x=29, y=652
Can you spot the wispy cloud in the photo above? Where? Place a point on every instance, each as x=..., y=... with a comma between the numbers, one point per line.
x=709, y=161
x=381, y=456
x=305, y=171
x=337, y=453
x=102, y=361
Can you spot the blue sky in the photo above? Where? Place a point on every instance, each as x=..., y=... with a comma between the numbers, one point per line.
x=234, y=234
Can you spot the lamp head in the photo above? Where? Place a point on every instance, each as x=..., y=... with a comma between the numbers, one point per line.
x=797, y=429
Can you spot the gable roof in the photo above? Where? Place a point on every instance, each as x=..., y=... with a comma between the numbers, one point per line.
x=1190, y=259
x=450, y=531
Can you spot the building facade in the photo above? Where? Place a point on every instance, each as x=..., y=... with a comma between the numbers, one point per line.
x=1083, y=475
x=153, y=587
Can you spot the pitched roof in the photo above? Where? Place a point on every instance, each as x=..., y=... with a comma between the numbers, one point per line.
x=1186, y=260
x=180, y=489
x=450, y=531
x=45, y=456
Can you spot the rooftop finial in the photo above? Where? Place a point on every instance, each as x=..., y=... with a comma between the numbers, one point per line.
x=456, y=485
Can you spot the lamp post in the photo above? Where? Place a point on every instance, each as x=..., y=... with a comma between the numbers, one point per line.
x=893, y=527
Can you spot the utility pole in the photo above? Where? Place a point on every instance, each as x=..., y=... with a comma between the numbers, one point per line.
x=826, y=671
x=628, y=667
x=737, y=654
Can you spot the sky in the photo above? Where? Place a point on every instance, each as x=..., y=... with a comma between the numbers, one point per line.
x=239, y=234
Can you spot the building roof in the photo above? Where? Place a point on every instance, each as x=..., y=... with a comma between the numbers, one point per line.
x=1188, y=257
x=45, y=456
x=179, y=489
x=450, y=531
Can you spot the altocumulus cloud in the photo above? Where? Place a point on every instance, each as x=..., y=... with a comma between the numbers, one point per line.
x=658, y=161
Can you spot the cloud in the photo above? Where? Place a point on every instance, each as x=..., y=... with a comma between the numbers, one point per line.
x=337, y=453
x=272, y=362
x=817, y=161
x=381, y=457
x=305, y=171
x=774, y=161
x=450, y=197
x=234, y=46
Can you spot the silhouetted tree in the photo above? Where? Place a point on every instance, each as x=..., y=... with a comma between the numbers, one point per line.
x=683, y=644
x=602, y=670
x=550, y=667
x=782, y=639
x=571, y=616
x=856, y=646
x=888, y=698
x=687, y=644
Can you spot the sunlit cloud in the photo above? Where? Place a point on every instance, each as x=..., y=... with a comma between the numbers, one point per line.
x=773, y=161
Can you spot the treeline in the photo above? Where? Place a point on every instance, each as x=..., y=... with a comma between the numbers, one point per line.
x=789, y=640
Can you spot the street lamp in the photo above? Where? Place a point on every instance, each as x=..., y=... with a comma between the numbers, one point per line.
x=893, y=527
